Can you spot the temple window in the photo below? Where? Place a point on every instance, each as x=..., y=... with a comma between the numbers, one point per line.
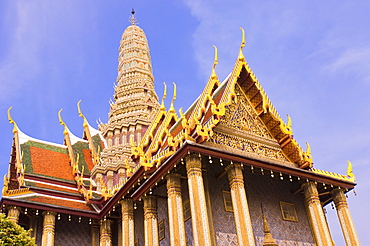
x=227, y=201
x=161, y=230
x=288, y=211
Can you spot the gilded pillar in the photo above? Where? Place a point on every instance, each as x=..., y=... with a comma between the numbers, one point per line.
x=128, y=232
x=316, y=215
x=242, y=218
x=13, y=213
x=95, y=233
x=110, y=139
x=105, y=232
x=150, y=221
x=117, y=133
x=198, y=206
x=138, y=132
x=175, y=211
x=98, y=177
x=121, y=174
x=48, y=228
x=345, y=218
x=124, y=135
x=109, y=179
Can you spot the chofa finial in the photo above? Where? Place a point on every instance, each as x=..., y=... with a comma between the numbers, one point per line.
x=164, y=96
x=215, y=62
x=11, y=121
x=174, y=96
x=242, y=45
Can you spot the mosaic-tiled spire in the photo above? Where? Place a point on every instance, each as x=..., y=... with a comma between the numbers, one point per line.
x=134, y=103
x=134, y=95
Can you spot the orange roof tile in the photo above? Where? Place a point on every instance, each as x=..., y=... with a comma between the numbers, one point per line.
x=51, y=163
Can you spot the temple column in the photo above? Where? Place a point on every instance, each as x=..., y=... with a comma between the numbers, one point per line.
x=98, y=177
x=105, y=232
x=117, y=133
x=95, y=233
x=128, y=232
x=316, y=215
x=150, y=221
x=48, y=228
x=13, y=213
x=109, y=179
x=175, y=211
x=121, y=174
x=124, y=135
x=242, y=218
x=110, y=139
x=198, y=206
x=138, y=132
x=345, y=218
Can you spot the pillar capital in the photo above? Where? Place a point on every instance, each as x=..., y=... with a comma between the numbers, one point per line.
x=13, y=213
x=193, y=161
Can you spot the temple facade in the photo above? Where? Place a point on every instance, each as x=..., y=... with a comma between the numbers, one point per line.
x=227, y=171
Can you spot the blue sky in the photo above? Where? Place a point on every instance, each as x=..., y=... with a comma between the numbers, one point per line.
x=311, y=57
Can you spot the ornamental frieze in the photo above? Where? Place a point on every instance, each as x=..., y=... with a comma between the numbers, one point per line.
x=247, y=147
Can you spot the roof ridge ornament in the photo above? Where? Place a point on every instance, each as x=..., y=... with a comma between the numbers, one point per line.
x=132, y=18
x=11, y=121
x=172, y=108
x=164, y=96
x=215, y=62
x=242, y=45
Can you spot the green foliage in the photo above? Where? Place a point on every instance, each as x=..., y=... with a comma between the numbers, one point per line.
x=13, y=234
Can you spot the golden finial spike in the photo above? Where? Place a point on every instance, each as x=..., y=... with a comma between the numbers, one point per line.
x=60, y=118
x=164, y=95
x=11, y=121
x=174, y=96
x=81, y=114
x=215, y=62
x=79, y=109
x=241, y=56
x=65, y=132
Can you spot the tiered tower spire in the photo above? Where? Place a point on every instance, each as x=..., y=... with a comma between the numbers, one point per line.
x=134, y=103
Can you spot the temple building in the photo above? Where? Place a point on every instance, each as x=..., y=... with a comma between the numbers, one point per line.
x=227, y=171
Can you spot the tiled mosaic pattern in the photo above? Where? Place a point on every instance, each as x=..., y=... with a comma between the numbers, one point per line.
x=139, y=223
x=162, y=210
x=262, y=190
x=223, y=221
x=71, y=233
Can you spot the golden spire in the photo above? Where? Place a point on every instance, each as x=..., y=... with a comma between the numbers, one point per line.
x=215, y=62
x=242, y=45
x=81, y=114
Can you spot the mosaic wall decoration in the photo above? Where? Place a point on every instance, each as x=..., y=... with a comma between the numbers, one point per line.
x=139, y=223
x=71, y=233
x=162, y=210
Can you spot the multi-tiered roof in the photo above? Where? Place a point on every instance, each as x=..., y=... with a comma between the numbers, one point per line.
x=232, y=121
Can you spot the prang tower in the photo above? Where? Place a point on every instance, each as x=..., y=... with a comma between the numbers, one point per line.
x=134, y=103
